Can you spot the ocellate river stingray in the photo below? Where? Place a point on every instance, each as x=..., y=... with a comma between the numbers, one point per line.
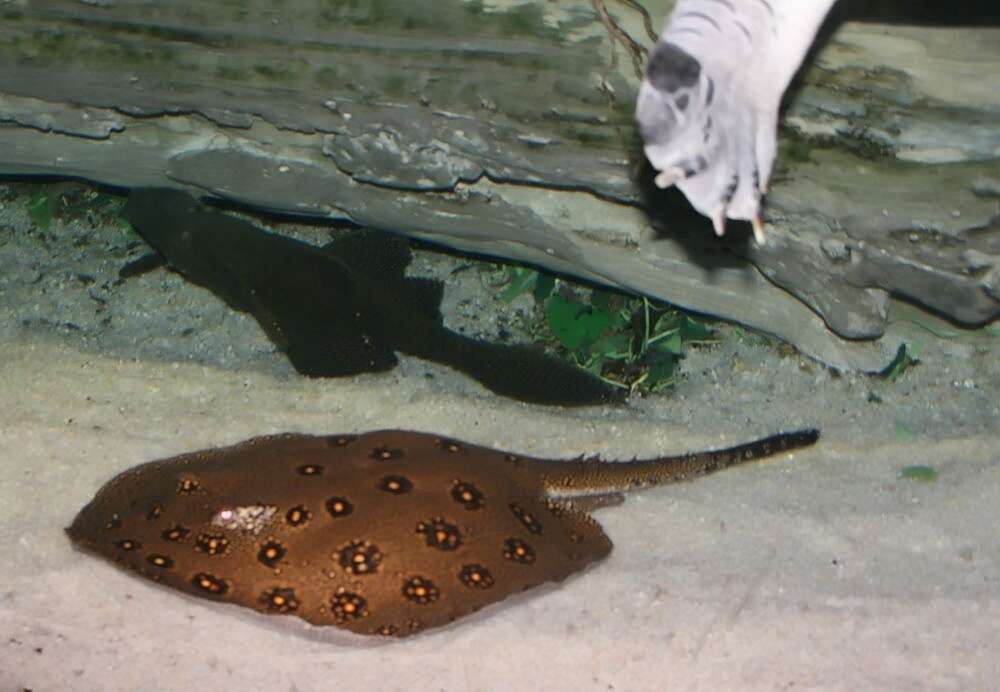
x=385, y=533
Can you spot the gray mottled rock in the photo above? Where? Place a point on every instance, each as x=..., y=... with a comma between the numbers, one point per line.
x=505, y=128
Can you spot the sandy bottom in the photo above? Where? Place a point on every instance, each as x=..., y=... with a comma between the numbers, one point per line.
x=820, y=570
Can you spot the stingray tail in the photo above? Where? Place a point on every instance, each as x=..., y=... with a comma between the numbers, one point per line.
x=593, y=476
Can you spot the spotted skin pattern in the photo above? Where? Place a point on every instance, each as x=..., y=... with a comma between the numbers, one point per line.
x=387, y=533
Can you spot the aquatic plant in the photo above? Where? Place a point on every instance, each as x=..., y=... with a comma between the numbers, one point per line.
x=627, y=340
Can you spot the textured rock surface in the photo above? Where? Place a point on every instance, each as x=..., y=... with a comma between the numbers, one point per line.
x=517, y=140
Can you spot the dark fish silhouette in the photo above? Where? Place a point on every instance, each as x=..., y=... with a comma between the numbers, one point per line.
x=389, y=532
x=345, y=308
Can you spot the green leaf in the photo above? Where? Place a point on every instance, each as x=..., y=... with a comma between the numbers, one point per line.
x=521, y=279
x=612, y=347
x=595, y=364
x=668, y=321
x=670, y=343
x=903, y=432
x=901, y=363
x=696, y=330
x=41, y=209
x=918, y=472
x=661, y=374
x=602, y=300
x=575, y=323
x=544, y=284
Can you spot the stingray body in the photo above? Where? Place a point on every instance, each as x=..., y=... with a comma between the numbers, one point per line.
x=345, y=308
x=385, y=533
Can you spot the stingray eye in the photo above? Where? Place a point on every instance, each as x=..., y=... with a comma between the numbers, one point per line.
x=246, y=518
x=309, y=470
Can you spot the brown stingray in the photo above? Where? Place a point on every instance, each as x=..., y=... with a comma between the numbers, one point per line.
x=388, y=532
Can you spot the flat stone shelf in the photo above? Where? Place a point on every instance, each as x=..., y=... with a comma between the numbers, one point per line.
x=504, y=127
